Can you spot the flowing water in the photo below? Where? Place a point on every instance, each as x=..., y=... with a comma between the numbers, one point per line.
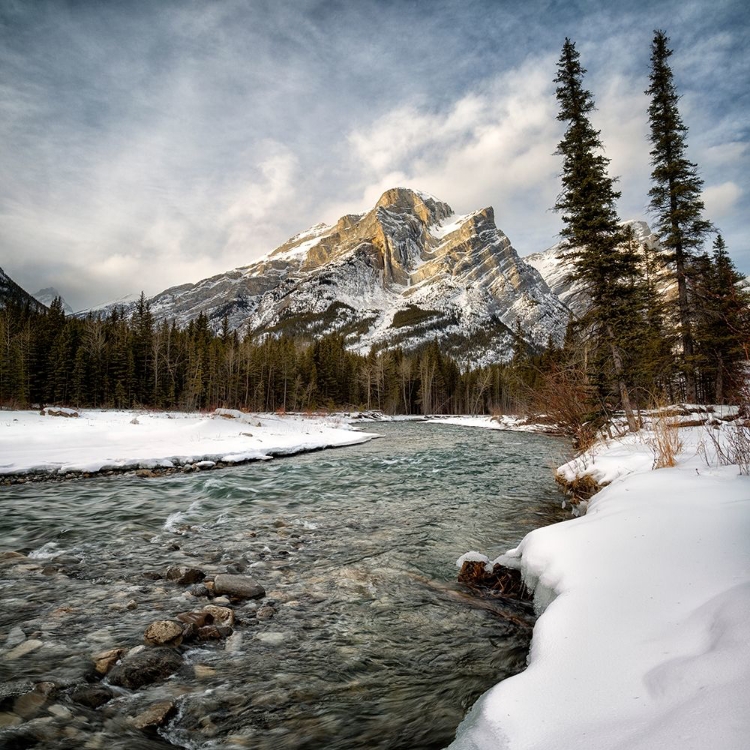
x=370, y=642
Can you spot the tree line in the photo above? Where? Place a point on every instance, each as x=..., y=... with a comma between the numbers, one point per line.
x=120, y=361
x=636, y=345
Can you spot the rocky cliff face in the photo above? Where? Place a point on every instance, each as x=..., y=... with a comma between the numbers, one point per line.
x=405, y=272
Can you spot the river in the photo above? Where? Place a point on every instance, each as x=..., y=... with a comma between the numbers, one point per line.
x=367, y=642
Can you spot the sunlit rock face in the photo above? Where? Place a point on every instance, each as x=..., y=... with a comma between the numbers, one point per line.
x=406, y=272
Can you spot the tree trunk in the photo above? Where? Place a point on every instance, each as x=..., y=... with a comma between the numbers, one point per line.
x=624, y=395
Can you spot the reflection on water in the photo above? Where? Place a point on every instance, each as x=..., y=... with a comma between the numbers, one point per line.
x=367, y=646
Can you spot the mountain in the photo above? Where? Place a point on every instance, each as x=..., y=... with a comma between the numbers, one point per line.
x=555, y=265
x=10, y=292
x=46, y=296
x=405, y=272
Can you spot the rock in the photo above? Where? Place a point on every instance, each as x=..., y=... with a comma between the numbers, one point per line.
x=9, y=720
x=198, y=589
x=199, y=619
x=234, y=643
x=214, y=632
x=183, y=575
x=202, y=671
x=15, y=637
x=155, y=715
x=28, y=705
x=164, y=633
x=22, y=649
x=92, y=696
x=239, y=587
x=221, y=615
x=145, y=667
x=60, y=711
x=11, y=555
x=145, y=473
x=105, y=660
x=265, y=613
x=151, y=575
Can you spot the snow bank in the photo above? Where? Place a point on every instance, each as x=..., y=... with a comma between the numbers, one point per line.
x=100, y=440
x=503, y=422
x=642, y=641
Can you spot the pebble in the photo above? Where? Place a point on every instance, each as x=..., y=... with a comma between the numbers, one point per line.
x=62, y=712
x=202, y=671
x=28, y=705
x=8, y=719
x=15, y=637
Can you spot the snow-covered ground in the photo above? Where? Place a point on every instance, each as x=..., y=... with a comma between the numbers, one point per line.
x=502, y=422
x=99, y=440
x=643, y=638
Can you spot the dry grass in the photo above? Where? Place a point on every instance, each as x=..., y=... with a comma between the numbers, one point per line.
x=664, y=438
x=731, y=445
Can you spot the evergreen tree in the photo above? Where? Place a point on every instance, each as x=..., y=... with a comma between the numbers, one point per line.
x=675, y=193
x=607, y=272
x=722, y=332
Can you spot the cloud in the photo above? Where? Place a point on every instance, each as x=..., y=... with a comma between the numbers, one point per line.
x=720, y=200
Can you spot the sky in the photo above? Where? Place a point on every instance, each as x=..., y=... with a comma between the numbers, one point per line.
x=148, y=144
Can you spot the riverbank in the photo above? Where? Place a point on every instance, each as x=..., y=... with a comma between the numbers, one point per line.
x=644, y=604
x=67, y=444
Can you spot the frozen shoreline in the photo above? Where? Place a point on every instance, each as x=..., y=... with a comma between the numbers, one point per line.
x=644, y=601
x=39, y=446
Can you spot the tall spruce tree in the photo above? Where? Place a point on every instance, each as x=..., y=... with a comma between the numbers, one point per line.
x=722, y=330
x=675, y=194
x=607, y=272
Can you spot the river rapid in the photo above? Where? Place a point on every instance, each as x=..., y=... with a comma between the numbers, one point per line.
x=363, y=640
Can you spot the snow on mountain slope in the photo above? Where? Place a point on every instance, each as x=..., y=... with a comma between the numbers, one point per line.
x=555, y=265
x=47, y=295
x=405, y=272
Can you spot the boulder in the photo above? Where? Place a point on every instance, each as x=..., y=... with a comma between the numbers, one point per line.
x=145, y=667
x=164, y=633
x=239, y=587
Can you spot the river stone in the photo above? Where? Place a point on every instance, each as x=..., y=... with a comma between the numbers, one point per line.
x=183, y=575
x=105, y=660
x=22, y=649
x=214, y=632
x=198, y=589
x=198, y=619
x=28, y=705
x=163, y=633
x=240, y=587
x=8, y=719
x=92, y=696
x=155, y=715
x=145, y=667
x=221, y=615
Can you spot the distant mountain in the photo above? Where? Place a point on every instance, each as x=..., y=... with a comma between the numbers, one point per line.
x=555, y=266
x=45, y=296
x=12, y=293
x=406, y=272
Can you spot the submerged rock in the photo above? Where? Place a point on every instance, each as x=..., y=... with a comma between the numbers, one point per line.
x=184, y=575
x=145, y=667
x=155, y=715
x=92, y=696
x=240, y=587
x=105, y=660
